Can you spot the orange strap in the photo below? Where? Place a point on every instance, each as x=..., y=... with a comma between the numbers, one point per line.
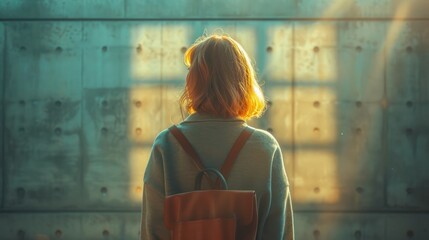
x=232, y=155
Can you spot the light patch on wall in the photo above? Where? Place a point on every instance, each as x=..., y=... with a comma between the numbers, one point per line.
x=315, y=116
x=279, y=53
x=246, y=36
x=175, y=40
x=145, y=113
x=335, y=7
x=316, y=52
x=146, y=55
x=171, y=107
x=316, y=177
x=138, y=158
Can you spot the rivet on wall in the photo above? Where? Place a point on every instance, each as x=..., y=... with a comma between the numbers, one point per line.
x=138, y=103
x=183, y=49
x=21, y=234
x=105, y=232
x=316, y=49
x=409, y=131
x=409, y=49
x=22, y=103
x=358, y=130
x=103, y=191
x=409, y=103
x=358, y=104
x=58, y=233
x=20, y=192
x=104, y=130
x=22, y=48
x=138, y=131
x=316, y=233
x=104, y=103
x=316, y=190
x=316, y=130
x=104, y=49
x=359, y=190
x=384, y=103
x=358, y=48
x=316, y=104
x=57, y=131
x=58, y=103
x=410, y=233
x=358, y=234
x=139, y=48
x=58, y=49
x=409, y=190
x=269, y=49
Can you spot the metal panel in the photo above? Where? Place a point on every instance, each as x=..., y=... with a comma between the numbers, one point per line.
x=42, y=123
x=121, y=54
x=336, y=226
x=408, y=151
x=120, y=125
x=407, y=56
x=41, y=9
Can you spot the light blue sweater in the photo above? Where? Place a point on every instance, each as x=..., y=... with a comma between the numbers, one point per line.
x=259, y=167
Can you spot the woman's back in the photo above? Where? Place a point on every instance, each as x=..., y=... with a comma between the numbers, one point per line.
x=221, y=92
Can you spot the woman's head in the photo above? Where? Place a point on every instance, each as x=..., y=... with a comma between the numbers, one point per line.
x=221, y=80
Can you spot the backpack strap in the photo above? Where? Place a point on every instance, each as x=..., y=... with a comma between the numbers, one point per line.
x=186, y=145
x=233, y=153
x=231, y=157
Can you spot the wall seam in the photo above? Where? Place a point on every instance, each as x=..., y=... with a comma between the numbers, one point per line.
x=293, y=85
x=82, y=135
x=219, y=19
x=3, y=160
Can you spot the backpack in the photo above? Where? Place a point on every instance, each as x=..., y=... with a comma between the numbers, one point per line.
x=214, y=214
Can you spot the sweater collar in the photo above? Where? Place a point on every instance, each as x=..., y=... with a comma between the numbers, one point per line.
x=204, y=117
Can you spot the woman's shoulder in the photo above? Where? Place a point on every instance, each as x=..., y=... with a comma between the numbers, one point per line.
x=263, y=138
x=162, y=137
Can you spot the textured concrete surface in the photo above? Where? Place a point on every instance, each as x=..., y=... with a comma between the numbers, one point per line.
x=82, y=101
x=163, y=9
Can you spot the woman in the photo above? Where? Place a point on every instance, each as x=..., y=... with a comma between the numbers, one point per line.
x=221, y=93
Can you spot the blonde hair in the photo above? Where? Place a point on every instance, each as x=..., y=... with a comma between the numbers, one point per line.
x=221, y=79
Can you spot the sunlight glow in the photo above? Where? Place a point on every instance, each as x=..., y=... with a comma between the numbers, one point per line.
x=138, y=159
x=280, y=52
x=316, y=52
x=316, y=179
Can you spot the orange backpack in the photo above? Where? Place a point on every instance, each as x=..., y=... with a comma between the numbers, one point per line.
x=212, y=214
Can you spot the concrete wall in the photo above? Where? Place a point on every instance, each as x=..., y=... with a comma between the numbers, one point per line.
x=86, y=86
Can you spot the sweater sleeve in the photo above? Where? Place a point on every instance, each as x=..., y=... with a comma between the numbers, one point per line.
x=152, y=225
x=279, y=221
